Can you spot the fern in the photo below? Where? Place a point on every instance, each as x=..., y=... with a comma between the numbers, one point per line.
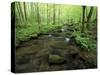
x=85, y=42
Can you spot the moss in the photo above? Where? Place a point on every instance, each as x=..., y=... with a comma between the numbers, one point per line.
x=33, y=36
x=56, y=59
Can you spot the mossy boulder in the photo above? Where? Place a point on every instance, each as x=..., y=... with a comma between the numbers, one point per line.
x=56, y=59
x=33, y=36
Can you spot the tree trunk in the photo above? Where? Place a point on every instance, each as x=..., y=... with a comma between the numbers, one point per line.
x=89, y=17
x=32, y=11
x=59, y=15
x=53, y=14
x=25, y=11
x=83, y=19
x=38, y=14
x=20, y=12
x=47, y=15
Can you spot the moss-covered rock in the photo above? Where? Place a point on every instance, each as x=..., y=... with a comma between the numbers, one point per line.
x=56, y=59
x=33, y=36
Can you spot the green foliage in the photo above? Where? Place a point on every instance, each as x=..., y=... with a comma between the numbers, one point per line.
x=84, y=41
x=24, y=32
x=35, y=18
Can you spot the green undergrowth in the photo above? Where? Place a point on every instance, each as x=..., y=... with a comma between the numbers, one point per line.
x=24, y=32
x=85, y=41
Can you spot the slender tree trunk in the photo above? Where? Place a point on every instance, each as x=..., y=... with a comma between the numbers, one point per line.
x=96, y=17
x=38, y=15
x=86, y=14
x=59, y=15
x=47, y=15
x=20, y=12
x=35, y=12
x=89, y=17
x=32, y=11
x=54, y=14
x=83, y=19
x=25, y=11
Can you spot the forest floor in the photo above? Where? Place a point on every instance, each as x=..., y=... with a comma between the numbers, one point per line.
x=39, y=54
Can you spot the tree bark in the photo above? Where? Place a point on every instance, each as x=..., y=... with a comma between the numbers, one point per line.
x=89, y=16
x=54, y=14
x=25, y=11
x=20, y=12
x=47, y=15
x=59, y=15
x=38, y=15
x=83, y=18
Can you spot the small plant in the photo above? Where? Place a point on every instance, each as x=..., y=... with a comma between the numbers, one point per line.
x=84, y=41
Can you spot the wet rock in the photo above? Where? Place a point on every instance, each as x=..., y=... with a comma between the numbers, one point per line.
x=56, y=59
x=55, y=51
x=67, y=40
x=49, y=35
x=33, y=36
x=22, y=60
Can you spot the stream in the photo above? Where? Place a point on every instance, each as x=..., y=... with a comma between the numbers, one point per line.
x=41, y=54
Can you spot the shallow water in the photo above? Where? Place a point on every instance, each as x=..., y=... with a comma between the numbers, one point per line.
x=33, y=55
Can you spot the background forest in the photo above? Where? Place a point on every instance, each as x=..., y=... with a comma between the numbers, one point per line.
x=37, y=18
x=53, y=23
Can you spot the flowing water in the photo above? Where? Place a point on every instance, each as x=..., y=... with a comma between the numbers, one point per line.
x=33, y=55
